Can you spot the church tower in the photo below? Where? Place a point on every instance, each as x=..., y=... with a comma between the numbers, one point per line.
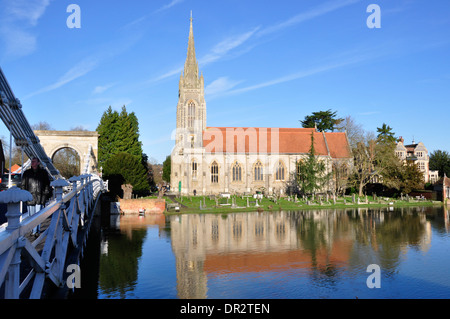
x=191, y=108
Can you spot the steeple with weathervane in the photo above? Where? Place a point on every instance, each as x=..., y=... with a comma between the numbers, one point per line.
x=191, y=108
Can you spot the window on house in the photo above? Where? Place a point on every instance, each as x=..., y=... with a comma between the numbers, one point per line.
x=214, y=173
x=279, y=175
x=422, y=166
x=258, y=171
x=237, y=172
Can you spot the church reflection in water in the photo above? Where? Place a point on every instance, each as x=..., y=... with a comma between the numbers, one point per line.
x=327, y=245
x=208, y=245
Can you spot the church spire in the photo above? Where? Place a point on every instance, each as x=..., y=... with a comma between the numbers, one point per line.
x=191, y=65
x=191, y=108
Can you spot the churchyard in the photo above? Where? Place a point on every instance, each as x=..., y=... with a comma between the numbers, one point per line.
x=227, y=203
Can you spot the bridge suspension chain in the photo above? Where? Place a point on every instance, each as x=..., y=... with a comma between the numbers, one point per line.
x=16, y=122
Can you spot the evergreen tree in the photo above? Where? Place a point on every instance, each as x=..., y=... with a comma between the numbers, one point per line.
x=128, y=134
x=128, y=169
x=385, y=134
x=440, y=160
x=119, y=145
x=323, y=120
x=118, y=133
x=411, y=177
x=312, y=173
x=166, y=169
x=107, y=140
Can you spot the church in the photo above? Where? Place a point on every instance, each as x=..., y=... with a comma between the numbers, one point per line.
x=239, y=160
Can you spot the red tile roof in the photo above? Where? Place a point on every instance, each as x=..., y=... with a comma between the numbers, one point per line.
x=338, y=255
x=261, y=140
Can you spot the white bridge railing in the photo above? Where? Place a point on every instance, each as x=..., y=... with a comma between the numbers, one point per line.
x=70, y=215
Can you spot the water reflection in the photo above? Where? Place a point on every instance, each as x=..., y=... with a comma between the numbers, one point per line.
x=325, y=243
x=121, y=249
x=301, y=254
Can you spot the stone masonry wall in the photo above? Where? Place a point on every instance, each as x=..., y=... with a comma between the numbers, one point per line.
x=151, y=206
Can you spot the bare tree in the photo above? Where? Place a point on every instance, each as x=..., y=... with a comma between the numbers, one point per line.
x=67, y=161
x=42, y=126
x=78, y=128
x=341, y=171
x=364, y=159
x=355, y=131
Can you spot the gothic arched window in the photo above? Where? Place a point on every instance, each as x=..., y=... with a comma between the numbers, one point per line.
x=299, y=167
x=191, y=114
x=237, y=172
x=258, y=171
x=214, y=173
x=194, y=169
x=279, y=173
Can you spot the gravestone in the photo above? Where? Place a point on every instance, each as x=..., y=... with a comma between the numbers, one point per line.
x=233, y=202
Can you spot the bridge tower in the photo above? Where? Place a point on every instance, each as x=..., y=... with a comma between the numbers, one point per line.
x=85, y=143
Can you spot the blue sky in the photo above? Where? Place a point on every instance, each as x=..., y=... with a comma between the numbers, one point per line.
x=265, y=63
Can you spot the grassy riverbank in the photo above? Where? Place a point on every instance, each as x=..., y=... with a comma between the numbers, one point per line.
x=204, y=204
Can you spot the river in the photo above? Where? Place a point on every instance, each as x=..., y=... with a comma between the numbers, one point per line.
x=353, y=253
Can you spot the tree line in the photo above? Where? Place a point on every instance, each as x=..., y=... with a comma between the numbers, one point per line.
x=374, y=160
x=122, y=160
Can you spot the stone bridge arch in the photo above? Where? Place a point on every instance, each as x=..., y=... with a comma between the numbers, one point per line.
x=80, y=141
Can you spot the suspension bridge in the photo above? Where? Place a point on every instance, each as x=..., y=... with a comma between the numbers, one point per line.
x=29, y=264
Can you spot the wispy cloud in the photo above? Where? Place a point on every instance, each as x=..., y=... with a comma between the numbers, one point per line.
x=308, y=15
x=168, y=6
x=306, y=73
x=168, y=74
x=135, y=22
x=78, y=70
x=222, y=48
x=17, y=20
x=102, y=88
x=90, y=63
x=18, y=42
x=228, y=45
x=28, y=11
x=222, y=84
x=219, y=51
